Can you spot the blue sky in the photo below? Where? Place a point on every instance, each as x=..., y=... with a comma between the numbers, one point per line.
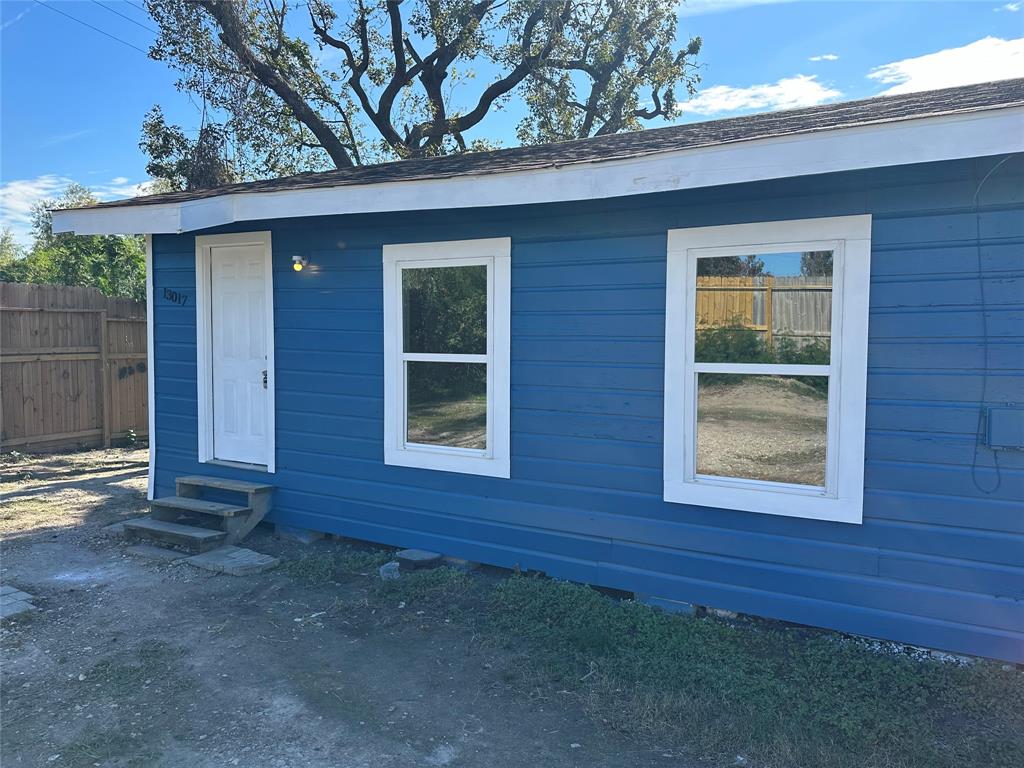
x=72, y=99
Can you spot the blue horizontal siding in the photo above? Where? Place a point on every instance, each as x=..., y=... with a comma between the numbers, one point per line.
x=939, y=559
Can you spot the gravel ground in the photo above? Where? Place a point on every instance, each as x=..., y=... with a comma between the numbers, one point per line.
x=772, y=429
x=131, y=662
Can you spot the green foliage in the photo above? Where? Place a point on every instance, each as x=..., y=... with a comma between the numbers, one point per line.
x=424, y=588
x=816, y=263
x=116, y=265
x=445, y=310
x=731, y=266
x=777, y=696
x=298, y=87
x=183, y=164
x=737, y=344
x=336, y=565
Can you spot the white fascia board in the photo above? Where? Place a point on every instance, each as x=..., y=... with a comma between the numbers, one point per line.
x=923, y=140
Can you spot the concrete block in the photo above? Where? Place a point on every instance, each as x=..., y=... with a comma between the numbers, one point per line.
x=461, y=564
x=669, y=606
x=234, y=561
x=6, y=589
x=15, y=608
x=301, y=535
x=389, y=571
x=722, y=613
x=14, y=596
x=411, y=559
x=159, y=554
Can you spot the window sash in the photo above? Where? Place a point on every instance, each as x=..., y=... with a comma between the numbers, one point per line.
x=447, y=357
x=495, y=254
x=841, y=497
x=692, y=368
x=452, y=450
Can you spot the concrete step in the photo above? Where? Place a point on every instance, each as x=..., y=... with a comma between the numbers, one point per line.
x=187, y=537
x=199, y=506
x=223, y=484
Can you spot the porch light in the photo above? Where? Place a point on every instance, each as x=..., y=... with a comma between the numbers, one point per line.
x=298, y=262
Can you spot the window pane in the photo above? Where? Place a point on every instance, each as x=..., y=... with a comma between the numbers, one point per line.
x=447, y=404
x=764, y=308
x=445, y=309
x=762, y=427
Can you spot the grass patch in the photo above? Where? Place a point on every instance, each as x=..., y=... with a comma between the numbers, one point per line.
x=99, y=747
x=154, y=665
x=780, y=697
x=429, y=588
x=333, y=566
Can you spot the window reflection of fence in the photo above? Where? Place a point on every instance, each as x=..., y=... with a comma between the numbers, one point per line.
x=794, y=307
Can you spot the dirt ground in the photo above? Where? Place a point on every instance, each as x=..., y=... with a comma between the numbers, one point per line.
x=133, y=662
x=773, y=429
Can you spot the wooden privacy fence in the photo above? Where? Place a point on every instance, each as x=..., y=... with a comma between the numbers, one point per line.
x=793, y=306
x=72, y=367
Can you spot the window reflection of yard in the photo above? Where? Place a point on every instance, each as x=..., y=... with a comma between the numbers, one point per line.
x=447, y=404
x=762, y=428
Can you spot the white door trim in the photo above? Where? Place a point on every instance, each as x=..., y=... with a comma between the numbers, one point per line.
x=150, y=370
x=204, y=345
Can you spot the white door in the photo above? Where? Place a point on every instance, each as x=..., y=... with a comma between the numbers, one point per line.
x=238, y=323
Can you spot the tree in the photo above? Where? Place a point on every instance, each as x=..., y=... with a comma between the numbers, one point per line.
x=114, y=264
x=405, y=73
x=816, y=263
x=731, y=266
x=182, y=164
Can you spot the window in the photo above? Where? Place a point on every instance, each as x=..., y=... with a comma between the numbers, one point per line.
x=446, y=356
x=765, y=366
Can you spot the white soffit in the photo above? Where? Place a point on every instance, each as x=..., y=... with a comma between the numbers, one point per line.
x=921, y=140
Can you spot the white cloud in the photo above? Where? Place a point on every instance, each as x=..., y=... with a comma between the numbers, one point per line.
x=61, y=138
x=990, y=58
x=1011, y=7
x=16, y=19
x=824, y=57
x=787, y=93
x=19, y=195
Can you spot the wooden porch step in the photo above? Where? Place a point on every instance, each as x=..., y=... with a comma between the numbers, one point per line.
x=200, y=506
x=223, y=484
x=189, y=537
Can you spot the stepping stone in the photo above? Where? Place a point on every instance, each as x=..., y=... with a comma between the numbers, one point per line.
x=411, y=559
x=160, y=554
x=461, y=564
x=234, y=561
x=14, y=602
x=14, y=595
x=300, y=535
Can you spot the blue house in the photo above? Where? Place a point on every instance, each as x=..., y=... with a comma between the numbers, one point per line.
x=772, y=364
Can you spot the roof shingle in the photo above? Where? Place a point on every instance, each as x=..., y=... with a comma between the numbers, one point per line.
x=964, y=99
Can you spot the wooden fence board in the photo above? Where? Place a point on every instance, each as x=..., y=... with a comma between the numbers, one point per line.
x=72, y=367
x=792, y=306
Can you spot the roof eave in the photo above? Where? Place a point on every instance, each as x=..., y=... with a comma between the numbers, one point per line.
x=928, y=139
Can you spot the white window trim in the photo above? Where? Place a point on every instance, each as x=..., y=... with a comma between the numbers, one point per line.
x=496, y=253
x=204, y=344
x=842, y=500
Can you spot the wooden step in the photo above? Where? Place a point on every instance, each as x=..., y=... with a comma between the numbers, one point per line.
x=223, y=484
x=187, y=537
x=200, y=506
